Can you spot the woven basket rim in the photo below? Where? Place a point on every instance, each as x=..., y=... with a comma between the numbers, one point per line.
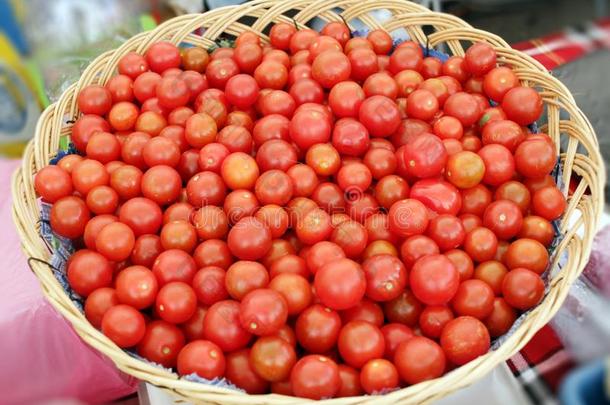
x=451, y=31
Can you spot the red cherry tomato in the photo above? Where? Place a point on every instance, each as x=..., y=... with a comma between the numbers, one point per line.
x=464, y=339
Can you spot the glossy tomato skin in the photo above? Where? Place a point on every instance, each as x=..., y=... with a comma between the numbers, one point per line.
x=528, y=253
x=350, y=382
x=434, y=279
x=263, y=311
x=69, y=217
x=447, y=231
x=136, y=286
x=464, y=339
x=522, y=105
x=240, y=372
x=501, y=318
x=438, y=195
x=481, y=244
x=366, y=310
x=504, y=218
x=174, y=265
x=425, y=156
x=378, y=375
x=549, y=203
x=272, y=358
x=161, y=343
x=473, y=298
x=245, y=276
x=379, y=115
x=142, y=215
x=53, y=183
x=315, y=377
x=386, y=277
x=522, y=288
x=203, y=358
x=340, y=284
x=176, y=302
x=209, y=285
x=317, y=328
x=535, y=158
x=408, y=217
x=87, y=271
x=416, y=247
x=249, y=239
x=419, y=359
x=124, y=325
x=359, y=342
x=222, y=326
x=98, y=302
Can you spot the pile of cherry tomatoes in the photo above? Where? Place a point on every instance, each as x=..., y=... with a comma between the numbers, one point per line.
x=320, y=216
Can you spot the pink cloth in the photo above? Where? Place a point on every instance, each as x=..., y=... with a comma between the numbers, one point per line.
x=42, y=357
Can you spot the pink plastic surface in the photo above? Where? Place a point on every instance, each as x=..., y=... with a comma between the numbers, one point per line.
x=42, y=357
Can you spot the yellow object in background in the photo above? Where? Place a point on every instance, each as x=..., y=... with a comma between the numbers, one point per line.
x=19, y=108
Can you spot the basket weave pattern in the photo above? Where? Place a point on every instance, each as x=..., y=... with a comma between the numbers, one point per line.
x=565, y=123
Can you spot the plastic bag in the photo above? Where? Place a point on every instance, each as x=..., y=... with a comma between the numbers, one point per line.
x=42, y=357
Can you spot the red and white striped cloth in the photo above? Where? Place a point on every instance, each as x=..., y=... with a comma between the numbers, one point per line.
x=559, y=48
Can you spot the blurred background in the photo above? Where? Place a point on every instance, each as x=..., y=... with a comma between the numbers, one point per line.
x=45, y=45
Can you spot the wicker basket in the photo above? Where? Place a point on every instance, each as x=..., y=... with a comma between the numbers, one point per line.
x=565, y=123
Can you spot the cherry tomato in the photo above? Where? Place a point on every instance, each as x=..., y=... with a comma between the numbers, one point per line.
x=516, y=192
x=481, y=244
x=124, y=325
x=419, y=359
x=528, y=253
x=425, y=156
x=549, y=203
x=213, y=252
x=404, y=309
x=98, y=302
x=161, y=184
x=272, y=358
x=245, y=276
x=386, y=277
x=174, y=265
x=161, y=343
x=222, y=326
x=315, y=377
x=498, y=81
x=378, y=375
x=408, y=217
x=434, y=279
x=136, y=286
x=340, y=284
x=145, y=250
x=240, y=372
x=379, y=115
x=534, y=227
x=480, y=58
x=86, y=126
x=263, y=311
x=314, y=226
x=308, y=128
x=69, y=217
x=351, y=237
x=446, y=231
x=464, y=107
x=522, y=105
x=317, y=328
x=464, y=339
x=295, y=290
x=203, y=358
x=438, y=195
x=53, y=183
x=501, y=318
